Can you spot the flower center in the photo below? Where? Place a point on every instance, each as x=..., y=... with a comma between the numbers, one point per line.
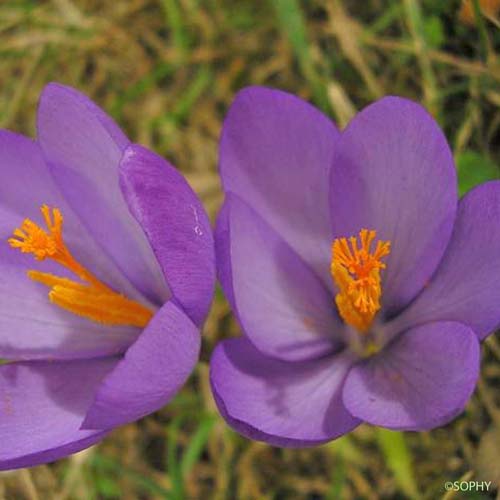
x=356, y=272
x=89, y=298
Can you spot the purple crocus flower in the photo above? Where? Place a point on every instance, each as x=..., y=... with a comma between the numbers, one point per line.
x=361, y=285
x=102, y=291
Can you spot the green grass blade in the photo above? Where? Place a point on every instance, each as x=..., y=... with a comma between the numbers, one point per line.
x=141, y=87
x=338, y=480
x=483, y=34
x=399, y=460
x=174, y=470
x=386, y=18
x=416, y=21
x=197, y=444
x=188, y=99
x=174, y=20
x=292, y=23
x=104, y=463
x=473, y=169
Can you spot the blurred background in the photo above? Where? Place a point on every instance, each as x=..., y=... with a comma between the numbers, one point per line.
x=167, y=70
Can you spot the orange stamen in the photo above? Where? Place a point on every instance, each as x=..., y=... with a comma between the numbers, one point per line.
x=356, y=272
x=90, y=298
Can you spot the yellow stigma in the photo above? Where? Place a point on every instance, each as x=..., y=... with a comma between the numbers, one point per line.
x=356, y=272
x=89, y=298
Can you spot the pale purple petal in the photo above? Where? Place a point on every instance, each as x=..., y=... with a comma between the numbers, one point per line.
x=152, y=371
x=421, y=381
x=283, y=307
x=275, y=153
x=282, y=403
x=31, y=327
x=83, y=148
x=26, y=184
x=393, y=172
x=175, y=224
x=466, y=285
x=223, y=252
x=43, y=405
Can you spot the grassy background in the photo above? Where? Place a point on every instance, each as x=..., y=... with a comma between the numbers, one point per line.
x=167, y=70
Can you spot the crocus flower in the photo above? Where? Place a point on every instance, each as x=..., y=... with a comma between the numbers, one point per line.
x=362, y=285
x=107, y=270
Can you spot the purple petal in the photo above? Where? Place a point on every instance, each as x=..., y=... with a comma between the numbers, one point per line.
x=465, y=287
x=421, y=381
x=175, y=224
x=282, y=403
x=393, y=172
x=27, y=185
x=153, y=370
x=275, y=153
x=30, y=326
x=223, y=253
x=43, y=405
x=283, y=307
x=83, y=148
